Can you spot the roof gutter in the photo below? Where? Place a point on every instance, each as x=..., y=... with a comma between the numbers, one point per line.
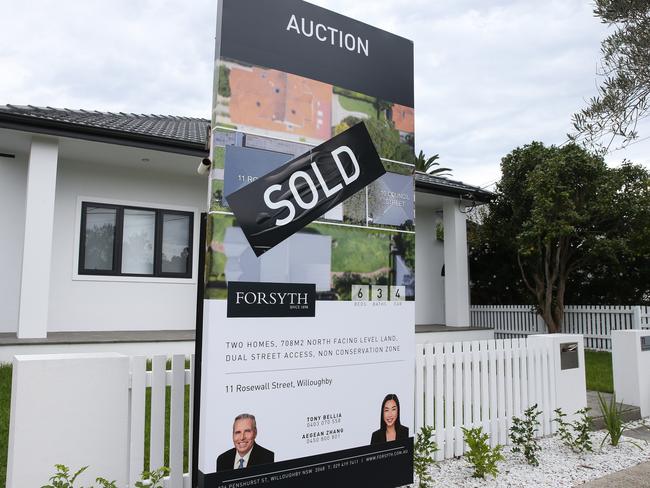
x=477, y=195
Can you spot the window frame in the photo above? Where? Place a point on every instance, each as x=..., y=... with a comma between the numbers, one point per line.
x=118, y=235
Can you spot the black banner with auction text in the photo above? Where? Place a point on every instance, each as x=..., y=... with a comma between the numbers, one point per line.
x=307, y=40
x=282, y=202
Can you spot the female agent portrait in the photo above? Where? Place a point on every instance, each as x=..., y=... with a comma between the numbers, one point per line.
x=390, y=428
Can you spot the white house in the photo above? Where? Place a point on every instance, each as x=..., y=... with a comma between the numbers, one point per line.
x=61, y=170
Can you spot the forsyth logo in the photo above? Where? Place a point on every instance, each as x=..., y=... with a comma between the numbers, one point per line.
x=285, y=200
x=246, y=299
x=262, y=298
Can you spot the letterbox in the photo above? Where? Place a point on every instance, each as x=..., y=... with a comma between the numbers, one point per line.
x=645, y=343
x=568, y=355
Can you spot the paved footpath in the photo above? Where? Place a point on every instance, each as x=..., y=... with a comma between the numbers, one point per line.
x=635, y=477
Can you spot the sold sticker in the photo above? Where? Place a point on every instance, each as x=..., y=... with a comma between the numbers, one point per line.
x=282, y=202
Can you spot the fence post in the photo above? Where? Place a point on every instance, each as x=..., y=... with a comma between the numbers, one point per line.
x=541, y=325
x=636, y=317
x=566, y=370
x=68, y=409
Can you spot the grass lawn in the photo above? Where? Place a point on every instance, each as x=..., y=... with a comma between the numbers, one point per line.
x=357, y=105
x=5, y=402
x=598, y=366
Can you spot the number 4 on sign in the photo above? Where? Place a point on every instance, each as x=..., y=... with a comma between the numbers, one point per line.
x=360, y=293
x=397, y=293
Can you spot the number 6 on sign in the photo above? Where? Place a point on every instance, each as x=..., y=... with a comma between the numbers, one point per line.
x=360, y=293
x=397, y=293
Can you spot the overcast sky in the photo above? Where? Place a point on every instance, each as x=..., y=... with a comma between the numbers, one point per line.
x=490, y=75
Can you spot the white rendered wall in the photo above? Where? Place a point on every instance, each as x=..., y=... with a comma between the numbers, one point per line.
x=166, y=348
x=429, y=258
x=13, y=187
x=456, y=266
x=570, y=384
x=72, y=410
x=630, y=367
x=37, y=243
x=84, y=303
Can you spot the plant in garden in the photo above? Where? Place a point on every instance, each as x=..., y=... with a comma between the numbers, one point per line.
x=422, y=458
x=104, y=483
x=522, y=435
x=575, y=435
x=481, y=456
x=63, y=478
x=613, y=420
x=153, y=479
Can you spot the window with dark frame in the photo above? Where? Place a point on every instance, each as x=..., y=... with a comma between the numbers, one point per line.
x=122, y=240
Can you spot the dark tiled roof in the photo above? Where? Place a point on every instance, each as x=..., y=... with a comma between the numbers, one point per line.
x=179, y=129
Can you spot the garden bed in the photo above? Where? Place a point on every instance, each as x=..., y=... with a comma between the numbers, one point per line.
x=558, y=466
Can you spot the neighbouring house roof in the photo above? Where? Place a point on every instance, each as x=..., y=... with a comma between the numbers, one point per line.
x=451, y=188
x=185, y=135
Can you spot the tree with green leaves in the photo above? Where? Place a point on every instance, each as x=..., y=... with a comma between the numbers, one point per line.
x=384, y=135
x=622, y=98
x=559, y=211
x=430, y=165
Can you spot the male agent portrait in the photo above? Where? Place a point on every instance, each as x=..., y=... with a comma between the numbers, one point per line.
x=246, y=451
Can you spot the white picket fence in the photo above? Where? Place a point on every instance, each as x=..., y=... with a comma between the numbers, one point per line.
x=468, y=384
x=481, y=384
x=175, y=384
x=595, y=323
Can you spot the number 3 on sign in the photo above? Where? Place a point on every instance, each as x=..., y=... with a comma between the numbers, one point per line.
x=360, y=293
x=379, y=293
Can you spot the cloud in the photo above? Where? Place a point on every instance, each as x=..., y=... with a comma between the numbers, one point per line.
x=490, y=75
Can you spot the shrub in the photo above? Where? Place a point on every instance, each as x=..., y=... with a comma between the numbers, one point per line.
x=63, y=478
x=154, y=479
x=481, y=456
x=575, y=435
x=522, y=435
x=422, y=458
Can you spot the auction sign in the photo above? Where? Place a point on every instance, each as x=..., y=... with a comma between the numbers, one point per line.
x=305, y=347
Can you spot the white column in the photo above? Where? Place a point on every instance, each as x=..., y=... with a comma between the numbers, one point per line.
x=429, y=287
x=70, y=409
x=456, y=271
x=37, y=248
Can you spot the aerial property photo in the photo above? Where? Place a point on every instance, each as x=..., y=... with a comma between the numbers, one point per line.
x=228, y=261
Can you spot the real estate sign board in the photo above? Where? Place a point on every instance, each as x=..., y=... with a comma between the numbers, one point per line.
x=306, y=347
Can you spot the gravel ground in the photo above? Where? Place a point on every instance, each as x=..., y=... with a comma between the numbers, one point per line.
x=558, y=466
